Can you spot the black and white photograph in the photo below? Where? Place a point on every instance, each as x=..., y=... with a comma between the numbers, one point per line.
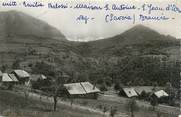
x=90, y=58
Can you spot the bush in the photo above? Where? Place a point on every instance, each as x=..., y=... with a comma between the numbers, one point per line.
x=103, y=87
x=117, y=86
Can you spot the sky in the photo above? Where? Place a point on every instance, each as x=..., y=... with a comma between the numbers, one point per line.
x=65, y=19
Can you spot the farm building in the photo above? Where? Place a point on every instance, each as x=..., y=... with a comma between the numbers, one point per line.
x=22, y=76
x=161, y=96
x=82, y=89
x=8, y=80
x=128, y=92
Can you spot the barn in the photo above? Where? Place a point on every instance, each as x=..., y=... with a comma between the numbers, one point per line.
x=82, y=90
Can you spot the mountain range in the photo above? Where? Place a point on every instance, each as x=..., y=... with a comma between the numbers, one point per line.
x=29, y=40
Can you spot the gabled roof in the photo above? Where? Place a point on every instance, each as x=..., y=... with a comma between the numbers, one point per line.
x=161, y=93
x=21, y=73
x=75, y=88
x=89, y=88
x=81, y=88
x=13, y=77
x=130, y=92
x=6, y=78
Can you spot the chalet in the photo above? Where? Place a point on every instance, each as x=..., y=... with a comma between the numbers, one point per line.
x=82, y=89
x=22, y=76
x=128, y=92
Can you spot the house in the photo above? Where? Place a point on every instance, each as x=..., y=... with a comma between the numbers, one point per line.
x=82, y=89
x=22, y=76
x=8, y=80
x=161, y=96
x=128, y=92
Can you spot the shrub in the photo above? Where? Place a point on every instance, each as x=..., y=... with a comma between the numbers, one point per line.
x=103, y=87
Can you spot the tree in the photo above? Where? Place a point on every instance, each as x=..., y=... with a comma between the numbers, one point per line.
x=4, y=68
x=117, y=86
x=158, y=114
x=57, y=84
x=113, y=111
x=143, y=95
x=132, y=106
x=16, y=64
x=105, y=109
x=154, y=102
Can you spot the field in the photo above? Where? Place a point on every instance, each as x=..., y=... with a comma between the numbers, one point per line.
x=14, y=105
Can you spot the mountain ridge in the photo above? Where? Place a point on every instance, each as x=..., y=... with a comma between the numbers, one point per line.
x=16, y=23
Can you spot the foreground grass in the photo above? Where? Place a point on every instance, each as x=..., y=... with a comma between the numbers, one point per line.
x=122, y=107
x=14, y=105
